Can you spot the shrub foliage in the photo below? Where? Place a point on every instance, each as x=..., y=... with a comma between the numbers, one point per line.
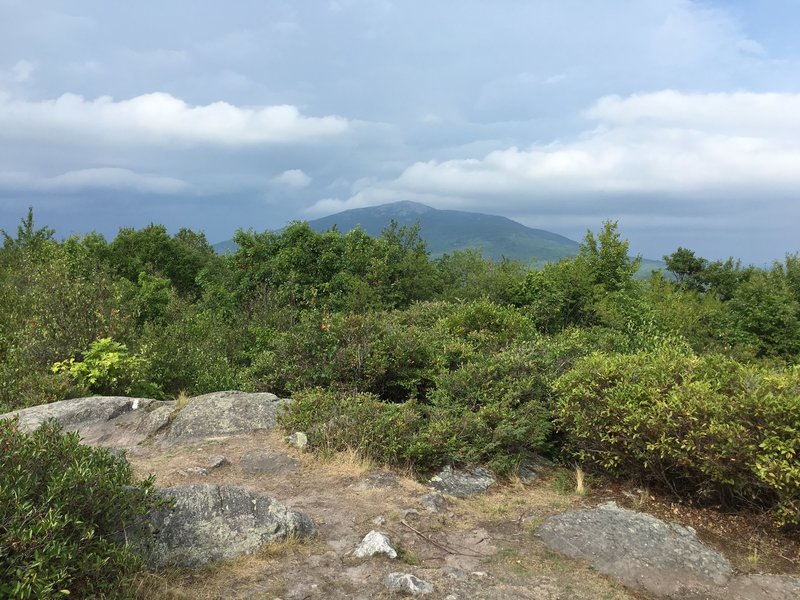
x=64, y=511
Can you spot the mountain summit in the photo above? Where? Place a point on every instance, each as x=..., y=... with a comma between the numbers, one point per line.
x=449, y=230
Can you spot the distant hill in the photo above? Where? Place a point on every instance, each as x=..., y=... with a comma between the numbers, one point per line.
x=447, y=230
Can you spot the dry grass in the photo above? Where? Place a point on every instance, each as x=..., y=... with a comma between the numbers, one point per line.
x=218, y=580
x=181, y=400
x=580, y=484
x=349, y=463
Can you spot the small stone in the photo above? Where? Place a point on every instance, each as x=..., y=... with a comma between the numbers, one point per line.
x=217, y=461
x=479, y=574
x=454, y=573
x=433, y=502
x=197, y=470
x=407, y=583
x=410, y=512
x=375, y=543
x=298, y=439
x=379, y=520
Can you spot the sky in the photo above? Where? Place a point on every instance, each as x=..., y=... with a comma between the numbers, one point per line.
x=679, y=119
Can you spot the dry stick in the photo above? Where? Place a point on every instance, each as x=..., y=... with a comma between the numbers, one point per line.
x=437, y=544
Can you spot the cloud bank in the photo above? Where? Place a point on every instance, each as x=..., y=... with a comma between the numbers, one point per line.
x=160, y=118
x=103, y=178
x=695, y=146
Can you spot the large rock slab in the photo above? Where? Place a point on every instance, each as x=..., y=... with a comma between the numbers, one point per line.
x=642, y=552
x=763, y=587
x=210, y=523
x=225, y=413
x=112, y=421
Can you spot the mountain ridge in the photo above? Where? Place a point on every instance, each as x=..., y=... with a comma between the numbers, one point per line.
x=446, y=231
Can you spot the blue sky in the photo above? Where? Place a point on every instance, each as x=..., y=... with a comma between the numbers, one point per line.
x=679, y=119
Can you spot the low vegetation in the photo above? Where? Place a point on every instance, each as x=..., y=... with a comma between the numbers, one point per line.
x=65, y=512
x=687, y=381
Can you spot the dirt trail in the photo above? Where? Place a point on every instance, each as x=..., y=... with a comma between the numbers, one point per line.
x=478, y=548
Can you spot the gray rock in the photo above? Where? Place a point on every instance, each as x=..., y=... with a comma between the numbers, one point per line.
x=455, y=573
x=376, y=480
x=217, y=462
x=75, y=412
x=111, y=421
x=197, y=470
x=407, y=583
x=640, y=551
x=375, y=543
x=225, y=413
x=531, y=469
x=462, y=483
x=433, y=502
x=763, y=587
x=298, y=439
x=266, y=462
x=209, y=523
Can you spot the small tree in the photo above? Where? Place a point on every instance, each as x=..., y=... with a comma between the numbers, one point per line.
x=607, y=258
x=687, y=268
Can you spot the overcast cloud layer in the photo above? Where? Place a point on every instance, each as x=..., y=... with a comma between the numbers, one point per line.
x=680, y=119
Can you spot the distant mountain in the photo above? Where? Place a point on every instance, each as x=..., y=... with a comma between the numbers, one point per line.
x=447, y=230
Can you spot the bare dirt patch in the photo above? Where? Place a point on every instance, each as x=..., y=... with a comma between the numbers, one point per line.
x=482, y=547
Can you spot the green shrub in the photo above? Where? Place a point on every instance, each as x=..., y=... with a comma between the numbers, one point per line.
x=64, y=512
x=107, y=368
x=493, y=409
x=336, y=421
x=707, y=425
x=377, y=353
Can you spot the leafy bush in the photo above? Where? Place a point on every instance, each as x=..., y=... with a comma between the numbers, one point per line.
x=338, y=420
x=493, y=410
x=64, y=511
x=703, y=425
x=107, y=368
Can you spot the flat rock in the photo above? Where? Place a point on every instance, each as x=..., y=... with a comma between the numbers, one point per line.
x=266, y=462
x=375, y=543
x=462, y=483
x=433, y=502
x=111, y=421
x=407, y=583
x=531, y=469
x=763, y=587
x=217, y=461
x=224, y=413
x=642, y=552
x=209, y=523
x=376, y=480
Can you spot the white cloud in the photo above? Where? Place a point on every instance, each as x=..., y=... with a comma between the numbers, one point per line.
x=159, y=118
x=22, y=71
x=103, y=178
x=664, y=144
x=293, y=178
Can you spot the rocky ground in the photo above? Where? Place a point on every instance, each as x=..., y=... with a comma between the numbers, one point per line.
x=242, y=484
